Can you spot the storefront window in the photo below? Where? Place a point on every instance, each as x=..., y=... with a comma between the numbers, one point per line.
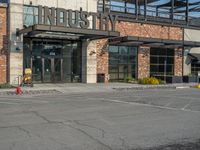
x=161, y=63
x=195, y=68
x=122, y=62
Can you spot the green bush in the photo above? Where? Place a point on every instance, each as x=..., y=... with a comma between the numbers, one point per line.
x=150, y=80
x=5, y=86
x=129, y=79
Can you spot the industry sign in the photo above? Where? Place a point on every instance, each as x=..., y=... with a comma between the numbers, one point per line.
x=76, y=19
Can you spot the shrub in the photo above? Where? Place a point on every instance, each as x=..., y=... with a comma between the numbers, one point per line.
x=5, y=86
x=129, y=79
x=150, y=80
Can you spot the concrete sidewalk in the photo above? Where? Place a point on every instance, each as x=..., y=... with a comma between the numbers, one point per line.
x=87, y=88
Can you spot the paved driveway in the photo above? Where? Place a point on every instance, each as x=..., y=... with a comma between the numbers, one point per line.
x=110, y=120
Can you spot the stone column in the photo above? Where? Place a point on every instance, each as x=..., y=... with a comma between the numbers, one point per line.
x=143, y=62
x=186, y=63
x=178, y=62
x=89, y=63
x=15, y=43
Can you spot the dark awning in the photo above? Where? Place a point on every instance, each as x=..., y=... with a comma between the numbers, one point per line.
x=133, y=40
x=65, y=32
x=195, y=57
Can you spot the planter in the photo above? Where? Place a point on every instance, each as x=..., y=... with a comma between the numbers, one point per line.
x=189, y=79
x=175, y=79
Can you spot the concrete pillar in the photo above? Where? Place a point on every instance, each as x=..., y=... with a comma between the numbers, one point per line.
x=15, y=43
x=143, y=62
x=89, y=63
x=186, y=63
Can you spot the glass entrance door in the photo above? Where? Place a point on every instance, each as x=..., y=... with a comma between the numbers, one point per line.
x=52, y=69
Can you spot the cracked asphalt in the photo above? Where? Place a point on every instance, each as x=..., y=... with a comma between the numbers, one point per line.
x=151, y=119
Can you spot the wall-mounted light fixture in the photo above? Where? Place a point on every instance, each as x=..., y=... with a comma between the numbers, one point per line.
x=92, y=53
x=17, y=48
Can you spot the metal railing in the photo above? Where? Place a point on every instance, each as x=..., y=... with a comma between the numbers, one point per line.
x=3, y=1
x=161, y=15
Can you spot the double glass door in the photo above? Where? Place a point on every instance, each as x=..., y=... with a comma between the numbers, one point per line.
x=52, y=69
x=47, y=69
x=53, y=60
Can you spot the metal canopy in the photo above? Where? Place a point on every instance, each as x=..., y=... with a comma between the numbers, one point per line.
x=132, y=40
x=195, y=57
x=65, y=33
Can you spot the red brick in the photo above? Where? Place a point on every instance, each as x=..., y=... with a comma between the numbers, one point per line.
x=3, y=44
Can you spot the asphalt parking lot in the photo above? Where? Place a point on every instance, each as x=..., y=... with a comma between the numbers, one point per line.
x=151, y=119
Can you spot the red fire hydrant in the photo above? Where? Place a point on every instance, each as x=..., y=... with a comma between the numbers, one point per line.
x=18, y=90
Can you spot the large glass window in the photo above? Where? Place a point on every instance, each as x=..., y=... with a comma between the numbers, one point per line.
x=122, y=62
x=161, y=63
x=195, y=68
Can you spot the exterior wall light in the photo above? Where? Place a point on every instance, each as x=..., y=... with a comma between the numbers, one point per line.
x=18, y=49
x=92, y=53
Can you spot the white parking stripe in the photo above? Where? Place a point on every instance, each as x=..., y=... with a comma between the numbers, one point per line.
x=149, y=105
x=9, y=103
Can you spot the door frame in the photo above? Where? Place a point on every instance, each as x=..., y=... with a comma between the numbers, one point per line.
x=52, y=63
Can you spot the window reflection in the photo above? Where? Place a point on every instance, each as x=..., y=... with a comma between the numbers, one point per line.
x=122, y=62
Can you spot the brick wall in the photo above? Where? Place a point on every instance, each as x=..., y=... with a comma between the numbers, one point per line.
x=140, y=30
x=149, y=30
x=3, y=44
x=102, y=58
x=143, y=62
x=178, y=62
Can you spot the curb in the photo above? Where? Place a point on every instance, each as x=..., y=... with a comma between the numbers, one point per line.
x=154, y=87
x=31, y=92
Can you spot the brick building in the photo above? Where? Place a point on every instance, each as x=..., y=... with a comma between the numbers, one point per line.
x=3, y=43
x=94, y=41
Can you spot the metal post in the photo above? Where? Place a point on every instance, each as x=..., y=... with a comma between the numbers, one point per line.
x=187, y=12
x=103, y=5
x=172, y=11
x=145, y=9
x=157, y=11
x=136, y=9
x=125, y=6
x=165, y=69
x=31, y=60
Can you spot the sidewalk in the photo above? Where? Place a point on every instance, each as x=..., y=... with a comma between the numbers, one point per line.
x=87, y=88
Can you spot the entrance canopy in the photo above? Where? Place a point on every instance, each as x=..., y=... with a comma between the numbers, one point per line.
x=60, y=32
x=195, y=57
x=133, y=40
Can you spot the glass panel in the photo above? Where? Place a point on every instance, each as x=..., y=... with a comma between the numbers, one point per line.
x=158, y=57
x=123, y=50
x=47, y=70
x=57, y=65
x=123, y=61
x=37, y=68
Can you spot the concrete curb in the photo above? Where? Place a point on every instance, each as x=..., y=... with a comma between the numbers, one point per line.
x=143, y=87
x=30, y=92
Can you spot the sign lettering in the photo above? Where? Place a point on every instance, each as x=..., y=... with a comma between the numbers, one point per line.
x=76, y=19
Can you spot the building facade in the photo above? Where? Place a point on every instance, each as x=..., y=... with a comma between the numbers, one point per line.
x=92, y=41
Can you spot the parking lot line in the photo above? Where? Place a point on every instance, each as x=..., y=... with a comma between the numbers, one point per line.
x=149, y=105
